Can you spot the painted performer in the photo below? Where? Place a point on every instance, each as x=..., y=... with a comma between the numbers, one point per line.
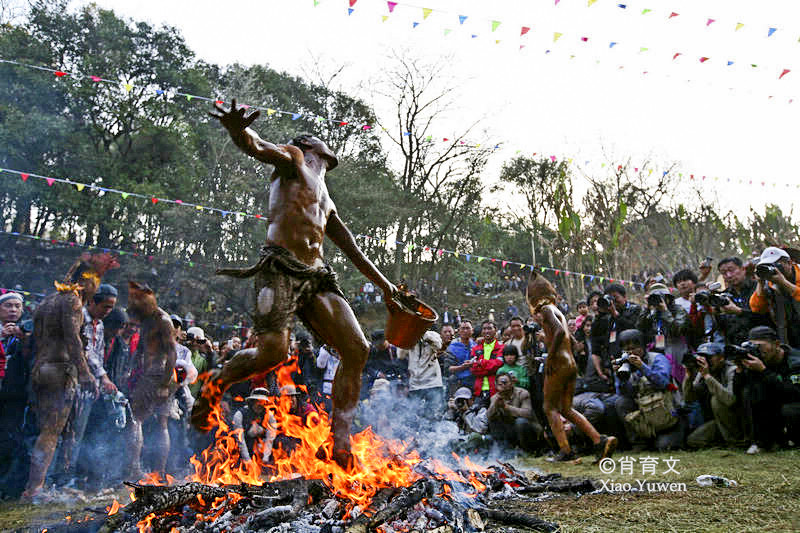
x=560, y=372
x=292, y=276
x=62, y=368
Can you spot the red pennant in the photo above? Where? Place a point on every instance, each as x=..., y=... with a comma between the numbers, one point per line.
x=784, y=73
x=525, y=30
x=445, y=139
x=353, y=2
x=673, y=14
x=557, y=272
x=60, y=73
x=676, y=56
x=154, y=200
x=258, y=216
x=584, y=39
x=24, y=176
x=703, y=59
x=50, y=181
x=220, y=102
x=343, y=123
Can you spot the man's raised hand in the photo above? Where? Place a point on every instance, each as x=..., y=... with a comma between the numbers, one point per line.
x=233, y=119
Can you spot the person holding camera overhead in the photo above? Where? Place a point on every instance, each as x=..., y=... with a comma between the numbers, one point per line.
x=203, y=356
x=778, y=293
x=664, y=323
x=710, y=380
x=645, y=395
x=768, y=381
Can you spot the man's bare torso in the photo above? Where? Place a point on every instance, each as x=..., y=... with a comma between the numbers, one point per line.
x=50, y=319
x=299, y=209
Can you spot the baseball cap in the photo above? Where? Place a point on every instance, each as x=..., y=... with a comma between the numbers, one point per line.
x=658, y=288
x=196, y=332
x=772, y=254
x=259, y=393
x=176, y=321
x=380, y=385
x=763, y=333
x=108, y=291
x=289, y=390
x=711, y=348
x=462, y=393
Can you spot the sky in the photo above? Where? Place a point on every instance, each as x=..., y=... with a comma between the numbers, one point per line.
x=576, y=96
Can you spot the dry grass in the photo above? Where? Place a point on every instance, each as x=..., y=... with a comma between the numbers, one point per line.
x=766, y=499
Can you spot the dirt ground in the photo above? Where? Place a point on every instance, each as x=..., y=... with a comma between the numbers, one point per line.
x=767, y=497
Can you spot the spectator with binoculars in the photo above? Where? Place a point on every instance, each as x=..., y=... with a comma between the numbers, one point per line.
x=778, y=293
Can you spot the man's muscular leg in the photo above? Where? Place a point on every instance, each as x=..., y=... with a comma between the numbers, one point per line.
x=574, y=416
x=331, y=317
x=552, y=405
x=271, y=350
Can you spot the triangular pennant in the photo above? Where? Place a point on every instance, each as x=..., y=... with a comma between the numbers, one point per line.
x=462, y=18
x=60, y=73
x=524, y=30
x=771, y=31
x=645, y=11
x=125, y=195
x=384, y=18
x=503, y=264
x=24, y=176
x=128, y=87
x=480, y=258
x=709, y=22
x=154, y=200
x=353, y=2
x=730, y=63
x=189, y=97
x=391, y=6
x=739, y=26
x=95, y=78
x=591, y=2
x=703, y=59
x=672, y=15
x=495, y=24
x=426, y=12
x=643, y=49
x=50, y=181
x=415, y=24
x=295, y=116
x=350, y=11
x=270, y=112
x=79, y=186
x=447, y=32
x=467, y=256
x=784, y=73
x=557, y=36
x=612, y=44
x=674, y=57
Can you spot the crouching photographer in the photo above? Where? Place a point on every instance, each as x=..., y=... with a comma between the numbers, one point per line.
x=646, y=399
x=778, y=293
x=709, y=380
x=470, y=417
x=768, y=381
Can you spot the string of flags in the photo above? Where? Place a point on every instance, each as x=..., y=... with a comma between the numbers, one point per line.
x=171, y=92
x=491, y=25
x=494, y=23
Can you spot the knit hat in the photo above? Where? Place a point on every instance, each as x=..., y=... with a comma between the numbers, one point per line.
x=11, y=296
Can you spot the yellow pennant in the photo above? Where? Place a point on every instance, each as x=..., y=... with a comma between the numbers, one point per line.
x=591, y=2
x=739, y=26
x=426, y=11
x=384, y=17
x=270, y=112
x=79, y=186
x=128, y=87
x=557, y=36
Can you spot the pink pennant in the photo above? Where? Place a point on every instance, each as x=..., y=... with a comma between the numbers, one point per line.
x=50, y=181
x=709, y=22
x=154, y=200
x=636, y=169
x=584, y=39
x=525, y=29
x=503, y=264
x=24, y=176
x=553, y=158
x=703, y=59
x=673, y=14
x=179, y=201
x=391, y=5
x=784, y=73
x=95, y=78
x=440, y=252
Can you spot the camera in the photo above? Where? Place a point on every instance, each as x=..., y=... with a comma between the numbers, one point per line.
x=604, y=302
x=741, y=352
x=180, y=374
x=532, y=328
x=655, y=299
x=624, y=370
x=713, y=297
x=765, y=271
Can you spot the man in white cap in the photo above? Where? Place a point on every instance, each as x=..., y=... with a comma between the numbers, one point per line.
x=203, y=356
x=778, y=293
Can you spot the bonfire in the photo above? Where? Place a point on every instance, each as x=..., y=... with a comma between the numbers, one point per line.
x=390, y=489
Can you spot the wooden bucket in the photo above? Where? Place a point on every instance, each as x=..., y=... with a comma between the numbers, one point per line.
x=409, y=321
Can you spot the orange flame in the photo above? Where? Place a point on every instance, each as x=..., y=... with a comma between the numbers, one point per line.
x=113, y=508
x=144, y=524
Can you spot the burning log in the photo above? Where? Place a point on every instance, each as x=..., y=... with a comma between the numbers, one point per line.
x=518, y=519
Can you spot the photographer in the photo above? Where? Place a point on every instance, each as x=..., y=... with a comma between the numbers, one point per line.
x=203, y=356
x=645, y=399
x=769, y=385
x=424, y=374
x=511, y=417
x=710, y=380
x=665, y=323
x=735, y=319
x=470, y=416
x=778, y=293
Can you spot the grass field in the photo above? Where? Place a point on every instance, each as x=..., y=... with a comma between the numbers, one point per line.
x=766, y=499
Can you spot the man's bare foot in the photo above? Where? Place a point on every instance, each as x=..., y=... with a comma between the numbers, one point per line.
x=207, y=402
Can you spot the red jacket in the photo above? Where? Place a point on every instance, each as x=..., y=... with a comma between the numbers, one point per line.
x=486, y=368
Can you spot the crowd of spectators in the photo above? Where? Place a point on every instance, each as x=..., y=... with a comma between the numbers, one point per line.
x=693, y=365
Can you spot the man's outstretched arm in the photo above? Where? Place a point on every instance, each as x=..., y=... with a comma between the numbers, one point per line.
x=246, y=139
x=342, y=238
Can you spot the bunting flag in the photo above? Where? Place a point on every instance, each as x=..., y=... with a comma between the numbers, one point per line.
x=739, y=26
x=495, y=24
x=556, y=36
x=784, y=73
x=426, y=11
x=771, y=31
x=391, y=6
